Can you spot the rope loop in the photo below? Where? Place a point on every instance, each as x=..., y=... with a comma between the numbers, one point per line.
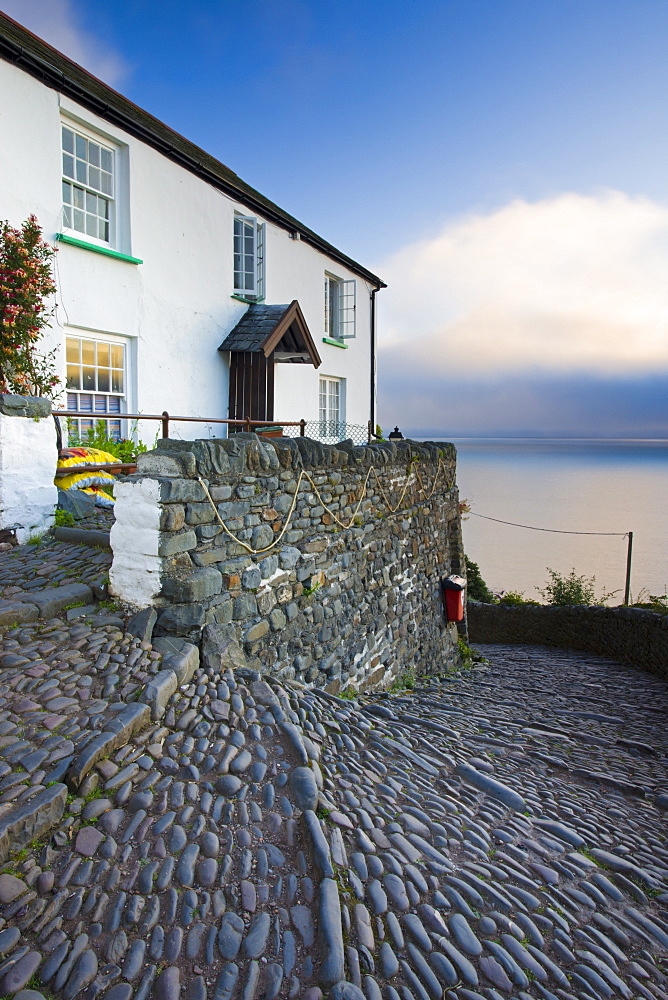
x=303, y=474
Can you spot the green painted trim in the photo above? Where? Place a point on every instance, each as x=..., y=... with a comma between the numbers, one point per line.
x=334, y=343
x=243, y=298
x=106, y=251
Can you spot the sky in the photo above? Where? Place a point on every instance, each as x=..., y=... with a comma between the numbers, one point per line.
x=501, y=164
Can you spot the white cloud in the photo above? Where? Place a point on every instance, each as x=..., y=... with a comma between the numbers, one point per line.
x=56, y=22
x=572, y=283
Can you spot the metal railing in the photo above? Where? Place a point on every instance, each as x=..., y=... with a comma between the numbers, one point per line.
x=246, y=423
x=325, y=431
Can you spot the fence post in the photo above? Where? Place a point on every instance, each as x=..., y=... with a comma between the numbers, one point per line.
x=369, y=432
x=629, y=552
x=302, y=427
x=165, y=424
x=247, y=425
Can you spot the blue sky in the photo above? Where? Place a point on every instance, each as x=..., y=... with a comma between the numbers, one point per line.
x=500, y=162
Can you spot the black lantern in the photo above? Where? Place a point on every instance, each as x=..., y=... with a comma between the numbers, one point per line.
x=396, y=435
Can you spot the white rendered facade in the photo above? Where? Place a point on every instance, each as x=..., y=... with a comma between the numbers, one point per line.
x=167, y=297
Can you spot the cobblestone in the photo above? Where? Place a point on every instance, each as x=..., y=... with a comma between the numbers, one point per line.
x=497, y=832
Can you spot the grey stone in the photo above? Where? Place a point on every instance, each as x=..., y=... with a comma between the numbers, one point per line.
x=28, y=822
x=51, y=602
x=229, y=935
x=82, y=974
x=302, y=920
x=330, y=934
x=17, y=611
x=255, y=941
x=13, y=405
x=20, y=973
x=185, y=871
x=168, y=984
x=226, y=983
x=463, y=934
x=304, y=788
x=141, y=624
x=228, y=785
x=10, y=887
x=343, y=990
x=491, y=786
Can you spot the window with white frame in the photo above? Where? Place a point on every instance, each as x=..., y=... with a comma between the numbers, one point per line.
x=339, y=307
x=332, y=407
x=96, y=384
x=249, y=257
x=89, y=169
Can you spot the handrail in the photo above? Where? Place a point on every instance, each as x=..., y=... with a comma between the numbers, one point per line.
x=165, y=417
x=97, y=467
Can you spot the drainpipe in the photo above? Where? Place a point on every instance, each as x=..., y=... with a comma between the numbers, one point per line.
x=372, y=395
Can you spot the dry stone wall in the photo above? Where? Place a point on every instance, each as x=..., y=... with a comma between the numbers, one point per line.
x=318, y=563
x=633, y=635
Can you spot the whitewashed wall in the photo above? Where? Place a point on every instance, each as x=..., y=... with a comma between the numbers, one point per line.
x=27, y=466
x=175, y=308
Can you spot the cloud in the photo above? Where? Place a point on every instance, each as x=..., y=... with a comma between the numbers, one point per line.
x=572, y=283
x=527, y=406
x=56, y=21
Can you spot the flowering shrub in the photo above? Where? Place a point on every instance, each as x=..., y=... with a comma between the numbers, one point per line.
x=26, y=282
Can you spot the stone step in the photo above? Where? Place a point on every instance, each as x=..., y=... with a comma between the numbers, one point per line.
x=83, y=536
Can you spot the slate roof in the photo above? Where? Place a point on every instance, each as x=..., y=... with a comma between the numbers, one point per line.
x=269, y=328
x=41, y=60
x=254, y=328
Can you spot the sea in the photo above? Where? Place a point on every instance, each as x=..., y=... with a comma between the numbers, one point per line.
x=561, y=486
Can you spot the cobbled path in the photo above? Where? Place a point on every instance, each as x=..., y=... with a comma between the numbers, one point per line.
x=495, y=833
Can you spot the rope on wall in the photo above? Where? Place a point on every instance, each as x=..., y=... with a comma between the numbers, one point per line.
x=412, y=476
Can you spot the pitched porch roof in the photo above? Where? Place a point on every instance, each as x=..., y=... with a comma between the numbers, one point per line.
x=278, y=329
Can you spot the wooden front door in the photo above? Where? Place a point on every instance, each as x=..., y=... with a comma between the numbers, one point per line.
x=251, y=385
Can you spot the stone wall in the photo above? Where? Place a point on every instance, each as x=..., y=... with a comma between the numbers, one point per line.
x=319, y=563
x=632, y=635
x=28, y=459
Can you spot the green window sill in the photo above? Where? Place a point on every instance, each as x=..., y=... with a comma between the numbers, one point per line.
x=246, y=298
x=73, y=241
x=335, y=343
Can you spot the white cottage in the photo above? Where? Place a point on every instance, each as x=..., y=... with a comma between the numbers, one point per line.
x=180, y=287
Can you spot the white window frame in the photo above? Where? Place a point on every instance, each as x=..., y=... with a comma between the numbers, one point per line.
x=340, y=307
x=102, y=403
x=112, y=198
x=258, y=236
x=331, y=407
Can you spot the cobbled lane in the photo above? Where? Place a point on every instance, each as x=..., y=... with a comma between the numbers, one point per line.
x=500, y=832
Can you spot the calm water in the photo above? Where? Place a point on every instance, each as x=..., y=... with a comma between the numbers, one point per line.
x=582, y=485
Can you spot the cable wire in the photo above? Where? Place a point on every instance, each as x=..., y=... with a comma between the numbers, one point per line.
x=554, y=531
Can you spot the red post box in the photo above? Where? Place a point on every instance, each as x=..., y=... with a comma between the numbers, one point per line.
x=453, y=597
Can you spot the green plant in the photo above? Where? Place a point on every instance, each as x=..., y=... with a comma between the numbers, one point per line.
x=348, y=693
x=465, y=652
x=476, y=588
x=308, y=591
x=63, y=518
x=652, y=602
x=26, y=282
x=405, y=680
x=514, y=598
x=35, y=539
x=125, y=449
x=566, y=591
x=74, y=604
